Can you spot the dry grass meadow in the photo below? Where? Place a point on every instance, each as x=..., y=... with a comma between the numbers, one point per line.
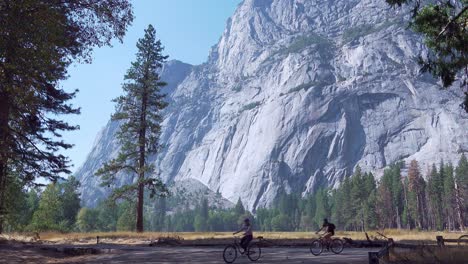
x=139, y=238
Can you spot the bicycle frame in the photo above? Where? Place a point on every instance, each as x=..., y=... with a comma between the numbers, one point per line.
x=325, y=242
x=238, y=246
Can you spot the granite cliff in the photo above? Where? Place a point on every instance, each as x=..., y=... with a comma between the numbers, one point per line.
x=294, y=96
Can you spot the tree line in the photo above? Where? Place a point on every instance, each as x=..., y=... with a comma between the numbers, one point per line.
x=54, y=208
x=397, y=200
x=201, y=218
x=406, y=200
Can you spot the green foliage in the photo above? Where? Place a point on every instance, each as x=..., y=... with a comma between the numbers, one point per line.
x=49, y=215
x=250, y=106
x=354, y=33
x=127, y=216
x=304, y=86
x=322, y=45
x=359, y=203
x=281, y=222
x=239, y=209
x=139, y=111
x=322, y=209
x=461, y=192
x=157, y=214
x=340, y=78
x=237, y=88
x=370, y=218
x=443, y=25
x=20, y=205
x=87, y=220
x=448, y=197
x=201, y=219
x=307, y=86
x=70, y=199
x=204, y=218
x=108, y=215
x=435, y=190
x=58, y=207
x=33, y=62
x=305, y=41
x=416, y=196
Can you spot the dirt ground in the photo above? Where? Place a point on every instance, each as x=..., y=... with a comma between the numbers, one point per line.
x=140, y=254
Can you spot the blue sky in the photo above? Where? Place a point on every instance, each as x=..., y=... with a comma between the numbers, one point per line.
x=187, y=29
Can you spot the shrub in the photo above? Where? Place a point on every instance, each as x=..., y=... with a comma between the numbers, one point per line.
x=250, y=106
x=237, y=88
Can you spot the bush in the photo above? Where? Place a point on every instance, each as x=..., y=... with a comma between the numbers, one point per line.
x=237, y=88
x=303, y=42
x=87, y=220
x=281, y=222
x=363, y=30
x=307, y=86
x=250, y=106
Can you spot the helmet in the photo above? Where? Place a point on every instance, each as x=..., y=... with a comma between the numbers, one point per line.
x=247, y=220
x=325, y=220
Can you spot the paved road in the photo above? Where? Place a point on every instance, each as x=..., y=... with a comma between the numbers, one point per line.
x=211, y=255
x=208, y=255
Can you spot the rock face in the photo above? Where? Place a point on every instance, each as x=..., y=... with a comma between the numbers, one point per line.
x=294, y=96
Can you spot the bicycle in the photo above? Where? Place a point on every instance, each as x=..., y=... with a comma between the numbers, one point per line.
x=336, y=245
x=254, y=251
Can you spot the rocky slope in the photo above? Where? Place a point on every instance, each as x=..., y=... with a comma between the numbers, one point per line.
x=294, y=96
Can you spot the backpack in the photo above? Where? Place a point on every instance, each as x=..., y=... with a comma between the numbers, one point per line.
x=332, y=226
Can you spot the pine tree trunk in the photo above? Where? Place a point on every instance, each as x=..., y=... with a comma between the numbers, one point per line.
x=5, y=108
x=419, y=212
x=2, y=194
x=139, y=222
x=398, y=218
x=4, y=115
x=408, y=218
x=425, y=213
x=141, y=162
x=459, y=208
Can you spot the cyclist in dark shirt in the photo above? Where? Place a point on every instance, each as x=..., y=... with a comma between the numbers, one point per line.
x=329, y=229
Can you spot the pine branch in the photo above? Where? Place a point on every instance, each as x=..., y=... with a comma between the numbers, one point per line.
x=452, y=21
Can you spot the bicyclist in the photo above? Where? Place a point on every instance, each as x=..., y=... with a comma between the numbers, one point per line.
x=330, y=230
x=248, y=235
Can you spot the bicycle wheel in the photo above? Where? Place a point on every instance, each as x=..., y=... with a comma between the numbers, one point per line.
x=337, y=246
x=463, y=240
x=316, y=247
x=230, y=254
x=254, y=252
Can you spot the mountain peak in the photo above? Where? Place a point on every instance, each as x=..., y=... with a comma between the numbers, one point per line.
x=295, y=95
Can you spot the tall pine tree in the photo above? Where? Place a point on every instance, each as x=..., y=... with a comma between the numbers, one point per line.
x=358, y=196
x=139, y=110
x=322, y=209
x=397, y=191
x=461, y=191
x=370, y=218
x=435, y=194
x=448, y=198
x=40, y=39
x=416, y=195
